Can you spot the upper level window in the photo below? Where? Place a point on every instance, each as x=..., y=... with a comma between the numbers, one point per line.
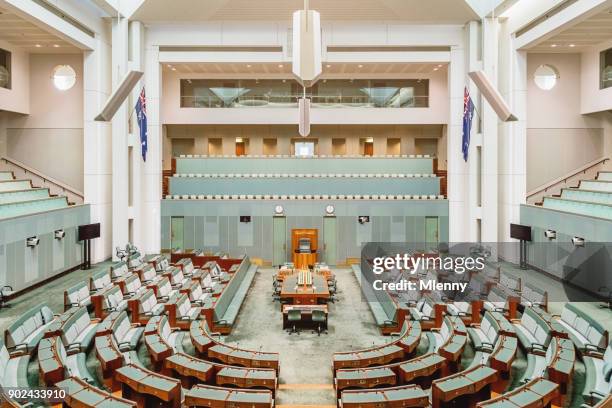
x=605, y=73
x=545, y=77
x=284, y=93
x=5, y=69
x=64, y=77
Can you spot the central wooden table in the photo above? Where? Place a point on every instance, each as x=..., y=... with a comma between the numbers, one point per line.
x=312, y=294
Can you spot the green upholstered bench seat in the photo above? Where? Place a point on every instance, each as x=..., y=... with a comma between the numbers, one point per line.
x=32, y=206
x=13, y=370
x=533, y=331
x=230, y=301
x=77, y=295
x=586, y=333
x=118, y=270
x=52, y=354
x=8, y=197
x=100, y=280
x=598, y=375
x=497, y=300
x=126, y=334
x=78, y=330
x=23, y=335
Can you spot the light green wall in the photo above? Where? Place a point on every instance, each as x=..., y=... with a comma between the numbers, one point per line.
x=21, y=266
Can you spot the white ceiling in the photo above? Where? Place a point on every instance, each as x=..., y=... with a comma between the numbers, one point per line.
x=576, y=38
x=21, y=33
x=328, y=69
x=434, y=11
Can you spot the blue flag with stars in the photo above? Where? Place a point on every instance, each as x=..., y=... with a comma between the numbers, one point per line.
x=141, y=116
x=468, y=114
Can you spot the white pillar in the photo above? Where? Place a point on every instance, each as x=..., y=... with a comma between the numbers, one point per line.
x=152, y=176
x=512, y=141
x=458, y=209
x=120, y=137
x=136, y=62
x=490, y=122
x=97, y=144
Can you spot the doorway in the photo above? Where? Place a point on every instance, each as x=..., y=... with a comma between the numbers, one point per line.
x=279, y=240
x=329, y=240
x=177, y=227
x=240, y=147
x=431, y=232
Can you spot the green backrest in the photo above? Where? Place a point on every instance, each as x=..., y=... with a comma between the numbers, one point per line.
x=8, y=197
x=27, y=323
x=304, y=165
x=296, y=186
x=230, y=290
x=14, y=185
x=32, y=207
x=6, y=175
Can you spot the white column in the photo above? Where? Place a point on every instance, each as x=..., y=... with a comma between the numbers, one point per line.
x=474, y=63
x=458, y=209
x=136, y=63
x=152, y=176
x=97, y=144
x=120, y=137
x=512, y=141
x=490, y=122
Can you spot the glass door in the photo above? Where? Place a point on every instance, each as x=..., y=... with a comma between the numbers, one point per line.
x=177, y=225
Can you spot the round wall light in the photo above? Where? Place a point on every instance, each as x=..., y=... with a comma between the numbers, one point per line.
x=64, y=77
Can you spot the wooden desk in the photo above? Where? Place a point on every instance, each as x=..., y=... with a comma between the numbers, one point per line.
x=538, y=393
x=218, y=397
x=304, y=260
x=423, y=366
x=365, y=378
x=80, y=394
x=406, y=396
x=139, y=384
x=473, y=383
x=306, y=313
x=296, y=294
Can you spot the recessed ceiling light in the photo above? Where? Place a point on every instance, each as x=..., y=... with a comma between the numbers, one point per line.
x=280, y=65
x=248, y=65
x=435, y=69
x=572, y=45
x=56, y=46
x=328, y=66
x=174, y=69
x=284, y=80
x=325, y=81
x=439, y=65
x=38, y=45
x=359, y=66
x=553, y=45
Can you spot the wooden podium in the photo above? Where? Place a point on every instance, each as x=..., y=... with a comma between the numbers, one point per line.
x=304, y=260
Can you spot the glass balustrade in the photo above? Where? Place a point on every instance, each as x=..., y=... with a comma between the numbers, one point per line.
x=205, y=93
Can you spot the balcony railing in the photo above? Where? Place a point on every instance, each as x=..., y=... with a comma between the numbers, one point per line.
x=291, y=101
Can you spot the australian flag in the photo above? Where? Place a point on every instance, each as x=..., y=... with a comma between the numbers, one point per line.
x=141, y=116
x=468, y=114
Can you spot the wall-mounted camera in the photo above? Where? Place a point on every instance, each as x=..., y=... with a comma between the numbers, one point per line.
x=550, y=234
x=362, y=219
x=578, y=242
x=245, y=218
x=32, y=242
x=59, y=234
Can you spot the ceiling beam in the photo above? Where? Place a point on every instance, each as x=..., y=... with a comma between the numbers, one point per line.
x=48, y=21
x=566, y=18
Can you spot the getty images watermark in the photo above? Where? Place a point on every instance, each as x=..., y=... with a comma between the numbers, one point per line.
x=406, y=266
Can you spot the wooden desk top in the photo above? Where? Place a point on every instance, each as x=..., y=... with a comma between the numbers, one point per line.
x=218, y=397
x=81, y=394
x=305, y=308
x=291, y=288
x=465, y=382
x=404, y=396
x=145, y=381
